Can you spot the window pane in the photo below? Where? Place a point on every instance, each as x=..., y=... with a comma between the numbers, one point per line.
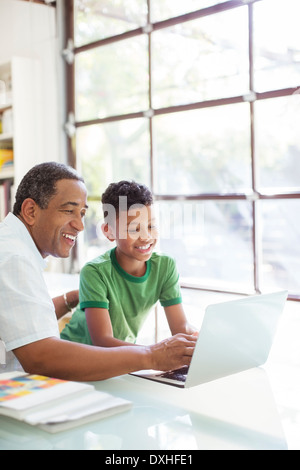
x=277, y=46
x=211, y=242
x=278, y=143
x=208, y=58
x=92, y=242
x=164, y=9
x=98, y=19
x=112, y=79
x=281, y=247
x=203, y=151
x=114, y=151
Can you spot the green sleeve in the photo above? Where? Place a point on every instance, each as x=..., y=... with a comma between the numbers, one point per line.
x=170, y=293
x=92, y=288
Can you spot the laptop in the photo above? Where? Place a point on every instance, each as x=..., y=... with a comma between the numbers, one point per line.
x=234, y=336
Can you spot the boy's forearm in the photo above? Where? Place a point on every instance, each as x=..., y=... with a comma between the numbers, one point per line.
x=177, y=320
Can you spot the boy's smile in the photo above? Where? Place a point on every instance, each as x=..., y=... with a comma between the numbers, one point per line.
x=145, y=249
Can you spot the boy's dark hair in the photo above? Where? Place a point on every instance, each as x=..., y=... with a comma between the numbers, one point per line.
x=39, y=184
x=135, y=193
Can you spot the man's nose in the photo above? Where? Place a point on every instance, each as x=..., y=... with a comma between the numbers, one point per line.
x=78, y=223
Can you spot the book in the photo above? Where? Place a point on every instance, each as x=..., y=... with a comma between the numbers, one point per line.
x=6, y=157
x=2, y=202
x=5, y=198
x=55, y=405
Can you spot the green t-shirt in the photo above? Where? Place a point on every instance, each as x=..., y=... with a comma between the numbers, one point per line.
x=104, y=284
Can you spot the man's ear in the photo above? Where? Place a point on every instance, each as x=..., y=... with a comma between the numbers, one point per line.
x=29, y=210
x=108, y=232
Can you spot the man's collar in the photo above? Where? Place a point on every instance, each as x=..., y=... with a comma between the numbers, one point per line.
x=19, y=227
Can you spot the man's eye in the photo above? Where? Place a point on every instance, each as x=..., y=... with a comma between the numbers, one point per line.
x=66, y=211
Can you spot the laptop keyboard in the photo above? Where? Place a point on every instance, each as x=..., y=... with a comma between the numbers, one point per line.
x=177, y=374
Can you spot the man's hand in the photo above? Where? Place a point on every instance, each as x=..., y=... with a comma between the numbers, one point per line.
x=173, y=353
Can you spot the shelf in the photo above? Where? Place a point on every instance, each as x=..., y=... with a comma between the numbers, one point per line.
x=5, y=107
x=6, y=137
x=7, y=173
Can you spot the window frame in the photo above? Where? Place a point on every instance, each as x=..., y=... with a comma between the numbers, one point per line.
x=256, y=195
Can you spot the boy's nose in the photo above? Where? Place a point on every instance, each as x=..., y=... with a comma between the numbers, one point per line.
x=145, y=233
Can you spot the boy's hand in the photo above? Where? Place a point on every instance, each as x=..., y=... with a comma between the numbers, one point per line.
x=172, y=353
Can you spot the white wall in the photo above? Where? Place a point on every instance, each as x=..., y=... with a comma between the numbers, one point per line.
x=30, y=38
x=29, y=30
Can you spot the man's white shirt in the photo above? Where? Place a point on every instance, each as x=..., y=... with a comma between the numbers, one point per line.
x=27, y=312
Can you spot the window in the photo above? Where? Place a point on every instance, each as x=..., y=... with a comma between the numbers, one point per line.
x=200, y=100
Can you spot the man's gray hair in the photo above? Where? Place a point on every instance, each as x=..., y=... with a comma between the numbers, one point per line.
x=39, y=183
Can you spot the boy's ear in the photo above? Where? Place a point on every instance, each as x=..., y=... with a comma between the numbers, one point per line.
x=108, y=232
x=29, y=211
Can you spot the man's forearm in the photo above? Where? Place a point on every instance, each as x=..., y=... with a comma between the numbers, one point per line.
x=72, y=361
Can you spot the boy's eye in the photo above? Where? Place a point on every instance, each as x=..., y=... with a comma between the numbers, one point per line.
x=133, y=230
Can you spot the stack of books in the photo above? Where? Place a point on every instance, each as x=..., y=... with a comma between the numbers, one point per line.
x=6, y=158
x=54, y=405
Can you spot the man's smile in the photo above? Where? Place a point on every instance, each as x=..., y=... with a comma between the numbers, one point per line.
x=70, y=237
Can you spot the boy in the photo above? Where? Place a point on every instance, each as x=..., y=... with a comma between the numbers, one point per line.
x=118, y=289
